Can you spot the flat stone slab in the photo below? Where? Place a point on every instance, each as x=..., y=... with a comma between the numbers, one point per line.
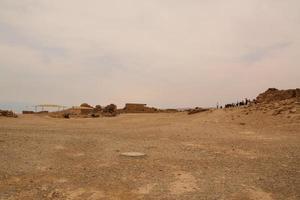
x=133, y=154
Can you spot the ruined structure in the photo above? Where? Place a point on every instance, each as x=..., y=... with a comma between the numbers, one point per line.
x=83, y=110
x=135, y=107
x=8, y=113
x=26, y=112
x=138, y=108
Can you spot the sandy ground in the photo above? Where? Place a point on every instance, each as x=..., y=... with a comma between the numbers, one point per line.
x=219, y=155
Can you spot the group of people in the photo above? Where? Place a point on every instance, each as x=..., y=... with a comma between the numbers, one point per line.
x=237, y=104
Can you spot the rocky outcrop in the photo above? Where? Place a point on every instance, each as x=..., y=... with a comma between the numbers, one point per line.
x=277, y=102
x=275, y=95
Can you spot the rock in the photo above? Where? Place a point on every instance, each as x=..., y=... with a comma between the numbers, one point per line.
x=276, y=112
x=275, y=95
x=133, y=154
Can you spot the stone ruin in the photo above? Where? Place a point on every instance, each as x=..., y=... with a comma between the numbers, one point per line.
x=87, y=111
x=7, y=113
x=138, y=108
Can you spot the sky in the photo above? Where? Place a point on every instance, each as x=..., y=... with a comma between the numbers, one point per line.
x=166, y=53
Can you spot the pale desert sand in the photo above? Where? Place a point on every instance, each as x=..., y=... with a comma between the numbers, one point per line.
x=224, y=154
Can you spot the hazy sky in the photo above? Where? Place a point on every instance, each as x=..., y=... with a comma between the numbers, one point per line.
x=167, y=53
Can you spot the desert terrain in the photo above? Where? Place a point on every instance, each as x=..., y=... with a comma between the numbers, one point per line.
x=220, y=154
x=150, y=100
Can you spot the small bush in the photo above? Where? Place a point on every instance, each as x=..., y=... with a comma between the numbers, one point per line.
x=112, y=108
x=66, y=115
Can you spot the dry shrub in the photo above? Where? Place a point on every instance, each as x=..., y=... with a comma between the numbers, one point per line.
x=66, y=115
x=98, y=109
x=95, y=115
x=110, y=110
